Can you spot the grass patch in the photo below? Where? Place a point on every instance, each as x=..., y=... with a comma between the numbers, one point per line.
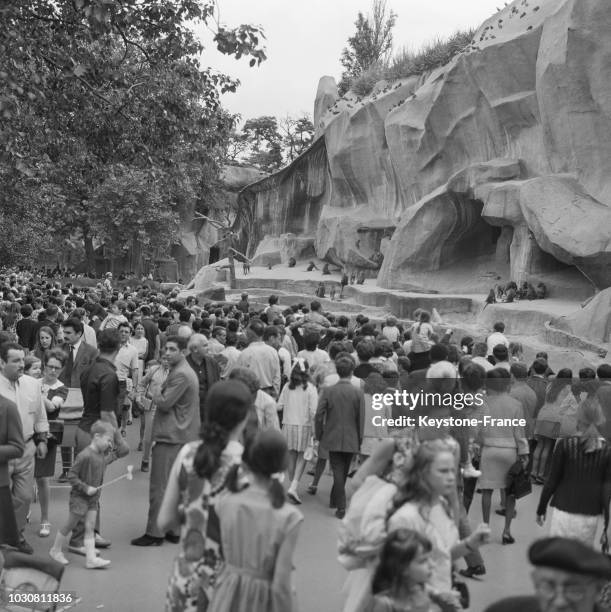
x=406, y=63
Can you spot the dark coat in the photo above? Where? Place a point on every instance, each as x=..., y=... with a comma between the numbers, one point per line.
x=339, y=418
x=83, y=360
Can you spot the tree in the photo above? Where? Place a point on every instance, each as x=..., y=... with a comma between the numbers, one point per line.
x=106, y=103
x=265, y=143
x=268, y=144
x=297, y=135
x=370, y=45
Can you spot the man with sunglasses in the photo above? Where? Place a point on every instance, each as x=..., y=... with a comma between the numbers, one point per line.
x=568, y=577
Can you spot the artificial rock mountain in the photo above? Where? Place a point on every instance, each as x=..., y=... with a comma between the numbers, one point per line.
x=497, y=164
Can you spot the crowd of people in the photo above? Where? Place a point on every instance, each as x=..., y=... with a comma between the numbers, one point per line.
x=238, y=406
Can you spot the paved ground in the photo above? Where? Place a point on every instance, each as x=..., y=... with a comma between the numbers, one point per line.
x=137, y=578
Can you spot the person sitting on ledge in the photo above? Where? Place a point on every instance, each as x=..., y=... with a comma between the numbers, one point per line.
x=541, y=291
x=292, y=262
x=510, y=295
x=311, y=266
x=325, y=270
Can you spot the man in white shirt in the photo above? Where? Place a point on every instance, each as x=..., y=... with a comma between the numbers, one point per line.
x=497, y=337
x=262, y=359
x=25, y=392
x=128, y=373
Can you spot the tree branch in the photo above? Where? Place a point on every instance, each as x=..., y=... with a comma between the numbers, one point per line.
x=127, y=41
x=90, y=87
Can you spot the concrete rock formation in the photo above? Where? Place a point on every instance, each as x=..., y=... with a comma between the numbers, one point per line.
x=276, y=250
x=592, y=322
x=500, y=160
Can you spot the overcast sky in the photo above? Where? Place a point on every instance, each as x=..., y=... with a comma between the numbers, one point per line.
x=305, y=39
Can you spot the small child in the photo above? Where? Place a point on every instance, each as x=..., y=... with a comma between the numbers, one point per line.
x=115, y=316
x=399, y=582
x=86, y=477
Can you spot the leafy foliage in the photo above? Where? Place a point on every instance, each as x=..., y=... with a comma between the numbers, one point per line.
x=297, y=135
x=370, y=45
x=268, y=143
x=110, y=128
x=433, y=55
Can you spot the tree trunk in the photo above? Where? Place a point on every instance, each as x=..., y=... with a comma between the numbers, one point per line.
x=89, y=251
x=232, y=283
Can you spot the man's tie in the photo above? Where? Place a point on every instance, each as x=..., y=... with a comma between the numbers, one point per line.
x=69, y=366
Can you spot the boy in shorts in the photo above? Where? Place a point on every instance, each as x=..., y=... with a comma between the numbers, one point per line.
x=86, y=477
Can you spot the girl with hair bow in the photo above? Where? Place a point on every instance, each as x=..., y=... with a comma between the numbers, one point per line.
x=298, y=400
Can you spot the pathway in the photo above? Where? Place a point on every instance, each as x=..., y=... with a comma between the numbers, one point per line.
x=137, y=578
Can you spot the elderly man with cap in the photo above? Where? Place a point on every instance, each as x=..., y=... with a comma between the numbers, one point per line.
x=568, y=577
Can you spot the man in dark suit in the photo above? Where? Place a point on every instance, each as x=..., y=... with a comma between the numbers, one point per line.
x=339, y=427
x=568, y=577
x=81, y=357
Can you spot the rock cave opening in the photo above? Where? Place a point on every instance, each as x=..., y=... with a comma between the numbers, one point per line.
x=215, y=254
x=478, y=254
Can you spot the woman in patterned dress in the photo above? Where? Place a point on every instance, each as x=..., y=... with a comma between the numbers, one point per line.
x=196, y=482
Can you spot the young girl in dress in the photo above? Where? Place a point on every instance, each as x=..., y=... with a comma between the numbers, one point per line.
x=399, y=583
x=258, y=534
x=298, y=401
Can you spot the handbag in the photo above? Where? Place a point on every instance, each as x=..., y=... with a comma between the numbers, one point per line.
x=518, y=481
x=311, y=451
x=146, y=403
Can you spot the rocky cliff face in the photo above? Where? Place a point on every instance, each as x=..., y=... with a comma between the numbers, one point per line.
x=503, y=155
